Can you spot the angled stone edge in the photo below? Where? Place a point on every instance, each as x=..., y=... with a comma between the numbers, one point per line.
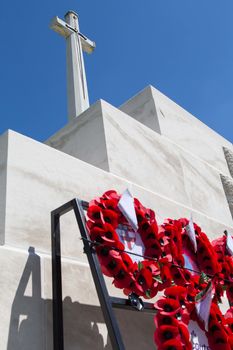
x=228, y=188
x=157, y=111
x=142, y=107
x=229, y=159
x=84, y=137
x=3, y=182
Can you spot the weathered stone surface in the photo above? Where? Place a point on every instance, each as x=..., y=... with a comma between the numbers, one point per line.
x=88, y=132
x=22, y=323
x=229, y=159
x=204, y=188
x=140, y=155
x=166, y=163
x=228, y=188
x=178, y=125
x=26, y=305
x=143, y=157
x=40, y=179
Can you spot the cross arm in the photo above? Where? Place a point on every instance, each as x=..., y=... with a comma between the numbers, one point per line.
x=65, y=30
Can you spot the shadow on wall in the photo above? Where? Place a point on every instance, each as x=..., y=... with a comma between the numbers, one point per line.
x=31, y=317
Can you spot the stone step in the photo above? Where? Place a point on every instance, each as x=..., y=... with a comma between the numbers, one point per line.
x=39, y=179
x=164, y=116
x=128, y=149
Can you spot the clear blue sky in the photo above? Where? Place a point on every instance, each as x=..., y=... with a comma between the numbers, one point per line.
x=182, y=47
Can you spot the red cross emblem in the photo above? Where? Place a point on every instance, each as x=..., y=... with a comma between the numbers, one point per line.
x=128, y=237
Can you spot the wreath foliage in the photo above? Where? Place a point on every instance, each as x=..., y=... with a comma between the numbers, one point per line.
x=163, y=268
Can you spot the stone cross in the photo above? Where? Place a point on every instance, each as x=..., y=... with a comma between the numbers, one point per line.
x=76, y=43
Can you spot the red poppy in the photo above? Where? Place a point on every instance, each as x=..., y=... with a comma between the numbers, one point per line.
x=166, y=277
x=138, y=205
x=229, y=292
x=219, y=341
x=165, y=333
x=229, y=313
x=111, y=194
x=168, y=306
x=214, y=327
x=174, y=250
x=150, y=234
x=173, y=344
x=144, y=281
x=176, y=292
x=110, y=260
x=94, y=213
x=229, y=322
x=123, y=279
x=141, y=216
x=154, y=251
x=110, y=217
x=179, y=276
x=215, y=314
x=110, y=204
x=106, y=235
x=179, y=260
x=184, y=222
x=185, y=335
x=127, y=261
x=168, y=320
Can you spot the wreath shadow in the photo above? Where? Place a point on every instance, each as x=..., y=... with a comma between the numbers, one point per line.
x=31, y=316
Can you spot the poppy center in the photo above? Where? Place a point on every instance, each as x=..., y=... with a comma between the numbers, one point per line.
x=104, y=251
x=96, y=215
x=121, y=275
x=168, y=335
x=141, y=280
x=168, y=308
x=108, y=234
x=112, y=265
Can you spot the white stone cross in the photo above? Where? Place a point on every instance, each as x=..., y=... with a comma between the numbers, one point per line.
x=76, y=43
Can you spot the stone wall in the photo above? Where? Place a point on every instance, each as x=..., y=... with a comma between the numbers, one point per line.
x=151, y=146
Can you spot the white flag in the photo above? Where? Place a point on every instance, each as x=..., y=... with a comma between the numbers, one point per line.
x=229, y=243
x=191, y=233
x=126, y=206
x=203, y=307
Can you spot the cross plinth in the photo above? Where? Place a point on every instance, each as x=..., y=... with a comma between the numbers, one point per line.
x=76, y=43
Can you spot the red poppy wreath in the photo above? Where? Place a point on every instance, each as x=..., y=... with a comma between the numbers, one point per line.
x=169, y=261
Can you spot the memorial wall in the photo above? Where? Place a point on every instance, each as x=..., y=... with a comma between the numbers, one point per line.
x=167, y=158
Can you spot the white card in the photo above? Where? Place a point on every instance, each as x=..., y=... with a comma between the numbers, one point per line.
x=132, y=242
x=198, y=337
x=191, y=233
x=203, y=307
x=229, y=243
x=126, y=206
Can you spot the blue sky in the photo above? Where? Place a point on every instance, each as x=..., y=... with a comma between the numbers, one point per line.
x=182, y=47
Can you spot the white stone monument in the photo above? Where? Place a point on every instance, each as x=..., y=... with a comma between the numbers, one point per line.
x=76, y=43
x=167, y=158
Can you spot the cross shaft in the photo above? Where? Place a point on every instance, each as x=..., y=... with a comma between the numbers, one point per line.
x=76, y=43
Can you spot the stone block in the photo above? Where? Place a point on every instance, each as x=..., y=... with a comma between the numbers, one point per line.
x=150, y=160
x=204, y=188
x=40, y=179
x=228, y=188
x=26, y=320
x=134, y=152
x=84, y=137
x=22, y=323
x=167, y=118
x=229, y=159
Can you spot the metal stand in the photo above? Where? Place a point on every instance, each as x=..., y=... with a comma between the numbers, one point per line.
x=107, y=302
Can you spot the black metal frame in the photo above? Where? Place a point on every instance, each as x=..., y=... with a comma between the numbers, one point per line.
x=107, y=302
